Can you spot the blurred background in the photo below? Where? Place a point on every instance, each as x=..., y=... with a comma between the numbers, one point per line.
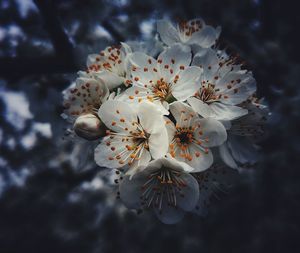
x=52, y=196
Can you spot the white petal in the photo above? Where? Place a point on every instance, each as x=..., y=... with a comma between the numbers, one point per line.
x=141, y=60
x=153, y=123
x=205, y=57
x=91, y=59
x=172, y=60
x=178, y=108
x=240, y=91
x=243, y=150
x=126, y=48
x=205, y=38
x=212, y=131
x=111, y=79
x=167, y=32
x=150, y=46
x=158, y=143
x=130, y=190
x=136, y=95
x=181, y=162
x=103, y=153
x=221, y=111
x=169, y=214
x=143, y=69
x=226, y=156
x=208, y=60
x=200, y=107
x=87, y=95
x=167, y=162
x=201, y=159
x=170, y=128
x=117, y=115
x=187, y=84
x=150, y=117
x=227, y=124
x=190, y=193
x=139, y=165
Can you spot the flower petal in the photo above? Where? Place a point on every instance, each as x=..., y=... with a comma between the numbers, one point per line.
x=226, y=156
x=167, y=32
x=206, y=57
x=244, y=86
x=141, y=60
x=140, y=164
x=169, y=214
x=104, y=155
x=117, y=115
x=112, y=80
x=85, y=97
x=206, y=37
x=212, y=131
x=143, y=69
x=187, y=83
x=178, y=108
x=170, y=128
x=151, y=119
x=136, y=95
x=200, y=107
x=172, y=60
x=190, y=193
x=243, y=150
x=158, y=143
x=130, y=190
x=217, y=110
x=202, y=158
x=150, y=46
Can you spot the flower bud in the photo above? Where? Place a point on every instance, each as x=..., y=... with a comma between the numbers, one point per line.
x=89, y=127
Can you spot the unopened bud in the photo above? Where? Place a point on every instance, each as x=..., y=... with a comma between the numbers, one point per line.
x=89, y=126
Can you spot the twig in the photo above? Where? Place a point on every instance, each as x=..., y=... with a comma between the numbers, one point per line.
x=59, y=38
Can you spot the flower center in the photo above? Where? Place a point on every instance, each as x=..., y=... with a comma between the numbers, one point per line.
x=135, y=141
x=140, y=137
x=184, y=135
x=162, y=185
x=162, y=90
x=207, y=93
x=183, y=139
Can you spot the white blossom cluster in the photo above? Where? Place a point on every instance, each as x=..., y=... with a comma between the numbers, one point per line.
x=169, y=115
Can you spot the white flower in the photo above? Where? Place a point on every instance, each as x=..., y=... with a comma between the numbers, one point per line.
x=188, y=32
x=240, y=148
x=191, y=137
x=163, y=186
x=86, y=97
x=137, y=135
x=109, y=65
x=223, y=86
x=212, y=182
x=160, y=81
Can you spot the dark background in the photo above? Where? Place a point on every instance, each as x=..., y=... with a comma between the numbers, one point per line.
x=52, y=196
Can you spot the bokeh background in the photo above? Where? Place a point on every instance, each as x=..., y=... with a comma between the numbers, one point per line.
x=52, y=196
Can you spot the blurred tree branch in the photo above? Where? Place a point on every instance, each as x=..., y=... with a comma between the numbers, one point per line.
x=64, y=59
x=59, y=38
x=118, y=37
